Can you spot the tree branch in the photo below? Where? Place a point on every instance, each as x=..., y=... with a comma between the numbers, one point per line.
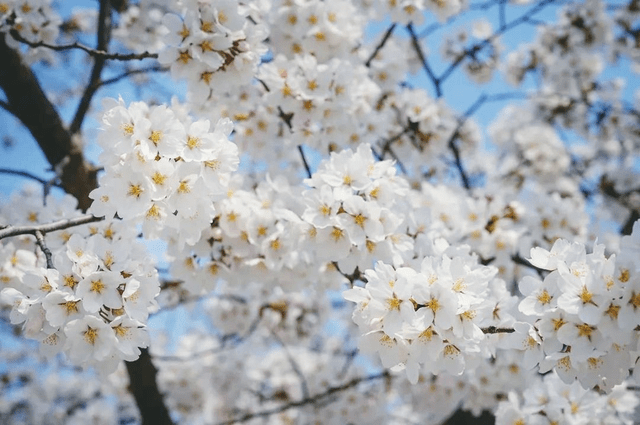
x=468, y=113
x=104, y=35
x=380, y=45
x=130, y=73
x=452, y=140
x=502, y=18
x=308, y=400
x=494, y=330
x=92, y=52
x=304, y=161
x=49, y=227
x=29, y=176
x=416, y=45
x=143, y=386
x=44, y=248
x=478, y=46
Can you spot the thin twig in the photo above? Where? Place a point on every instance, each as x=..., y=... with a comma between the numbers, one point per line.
x=416, y=45
x=304, y=161
x=130, y=73
x=380, y=45
x=43, y=247
x=502, y=5
x=482, y=99
x=395, y=157
x=386, y=148
x=48, y=227
x=233, y=339
x=356, y=275
x=309, y=400
x=29, y=176
x=524, y=262
x=478, y=46
x=103, y=38
x=89, y=50
x=494, y=330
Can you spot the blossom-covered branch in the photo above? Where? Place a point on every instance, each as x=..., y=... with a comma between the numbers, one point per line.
x=9, y=231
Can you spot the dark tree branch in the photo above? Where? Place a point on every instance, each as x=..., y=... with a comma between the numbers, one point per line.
x=416, y=45
x=502, y=6
x=29, y=176
x=309, y=400
x=627, y=227
x=103, y=36
x=304, y=161
x=458, y=161
x=356, y=275
x=92, y=52
x=494, y=330
x=395, y=157
x=380, y=45
x=464, y=417
x=452, y=140
x=386, y=148
x=607, y=187
x=524, y=262
x=468, y=113
x=44, y=248
x=129, y=73
x=143, y=386
x=48, y=227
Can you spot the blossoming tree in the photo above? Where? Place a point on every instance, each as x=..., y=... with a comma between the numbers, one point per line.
x=343, y=246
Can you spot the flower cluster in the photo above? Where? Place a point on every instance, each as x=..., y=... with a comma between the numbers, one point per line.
x=140, y=25
x=213, y=45
x=486, y=50
x=34, y=20
x=256, y=235
x=162, y=169
x=584, y=312
x=276, y=233
x=532, y=150
x=94, y=304
x=325, y=105
x=414, y=123
x=549, y=400
x=323, y=29
x=412, y=11
x=428, y=320
x=354, y=207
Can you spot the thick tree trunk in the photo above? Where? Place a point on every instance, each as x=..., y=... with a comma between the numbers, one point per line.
x=142, y=384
